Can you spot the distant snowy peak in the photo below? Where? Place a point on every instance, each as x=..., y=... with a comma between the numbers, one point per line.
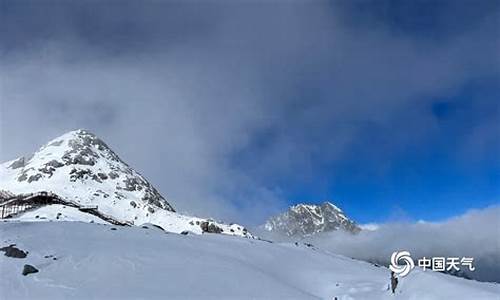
x=308, y=219
x=80, y=166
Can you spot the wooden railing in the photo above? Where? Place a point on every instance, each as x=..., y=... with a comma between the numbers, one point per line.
x=18, y=204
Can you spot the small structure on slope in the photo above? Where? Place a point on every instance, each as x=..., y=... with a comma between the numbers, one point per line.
x=21, y=203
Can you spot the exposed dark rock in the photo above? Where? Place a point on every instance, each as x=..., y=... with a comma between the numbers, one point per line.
x=112, y=228
x=133, y=204
x=34, y=177
x=113, y=175
x=54, y=163
x=102, y=176
x=185, y=232
x=29, y=269
x=82, y=152
x=47, y=170
x=12, y=251
x=23, y=177
x=158, y=226
x=83, y=157
x=153, y=197
x=132, y=184
x=210, y=227
x=204, y=226
x=18, y=163
x=82, y=174
x=264, y=240
x=96, y=178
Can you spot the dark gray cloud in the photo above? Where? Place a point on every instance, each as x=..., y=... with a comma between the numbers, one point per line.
x=218, y=103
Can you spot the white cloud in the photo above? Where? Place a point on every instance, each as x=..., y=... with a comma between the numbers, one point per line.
x=474, y=234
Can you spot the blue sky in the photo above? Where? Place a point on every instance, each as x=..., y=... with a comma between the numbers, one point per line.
x=432, y=180
x=388, y=108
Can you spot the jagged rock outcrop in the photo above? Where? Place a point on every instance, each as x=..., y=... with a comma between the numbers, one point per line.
x=305, y=219
x=80, y=166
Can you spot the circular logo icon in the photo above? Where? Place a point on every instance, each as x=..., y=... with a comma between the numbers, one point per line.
x=404, y=269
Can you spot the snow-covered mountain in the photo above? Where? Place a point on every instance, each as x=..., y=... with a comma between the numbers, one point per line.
x=306, y=219
x=89, y=261
x=80, y=167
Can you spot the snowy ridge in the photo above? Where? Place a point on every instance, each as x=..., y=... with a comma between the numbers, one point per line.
x=155, y=265
x=307, y=219
x=80, y=167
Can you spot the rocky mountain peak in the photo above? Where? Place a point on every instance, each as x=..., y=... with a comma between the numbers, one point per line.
x=309, y=219
x=80, y=166
x=78, y=147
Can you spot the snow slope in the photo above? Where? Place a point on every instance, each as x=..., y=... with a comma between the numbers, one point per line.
x=80, y=167
x=95, y=262
x=58, y=212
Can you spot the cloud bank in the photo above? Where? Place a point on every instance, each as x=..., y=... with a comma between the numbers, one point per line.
x=473, y=234
x=223, y=107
